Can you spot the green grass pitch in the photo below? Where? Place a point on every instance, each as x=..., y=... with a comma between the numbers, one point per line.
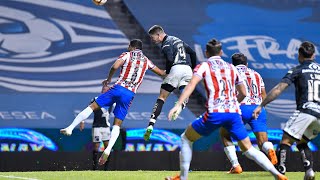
x=140, y=175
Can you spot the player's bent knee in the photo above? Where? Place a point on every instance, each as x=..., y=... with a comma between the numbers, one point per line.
x=117, y=122
x=166, y=88
x=94, y=106
x=287, y=139
x=191, y=134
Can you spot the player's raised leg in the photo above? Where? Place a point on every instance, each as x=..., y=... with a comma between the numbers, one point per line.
x=184, y=104
x=123, y=101
x=153, y=118
x=113, y=138
x=157, y=108
x=184, y=81
x=84, y=114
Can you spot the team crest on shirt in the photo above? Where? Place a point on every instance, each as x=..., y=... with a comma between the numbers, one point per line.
x=96, y=138
x=314, y=66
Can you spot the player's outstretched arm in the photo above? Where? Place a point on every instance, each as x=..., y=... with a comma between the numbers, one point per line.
x=263, y=93
x=116, y=65
x=189, y=89
x=159, y=72
x=272, y=95
x=185, y=94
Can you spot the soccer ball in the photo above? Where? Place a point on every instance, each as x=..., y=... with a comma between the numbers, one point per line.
x=99, y=2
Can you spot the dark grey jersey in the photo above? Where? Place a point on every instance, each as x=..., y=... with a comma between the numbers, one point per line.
x=177, y=52
x=306, y=78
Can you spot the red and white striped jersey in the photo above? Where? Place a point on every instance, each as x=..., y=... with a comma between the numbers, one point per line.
x=254, y=84
x=220, y=79
x=133, y=70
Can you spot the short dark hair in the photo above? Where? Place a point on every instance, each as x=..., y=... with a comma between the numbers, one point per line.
x=213, y=47
x=136, y=43
x=306, y=49
x=156, y=29
x=239, y=58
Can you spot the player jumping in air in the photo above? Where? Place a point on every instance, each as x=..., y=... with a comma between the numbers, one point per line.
x=134, y=65
x=180, y=60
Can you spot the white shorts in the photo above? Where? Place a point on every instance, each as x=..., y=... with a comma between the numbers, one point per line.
x=101, y=134
x=180, y=75
x=302, y=124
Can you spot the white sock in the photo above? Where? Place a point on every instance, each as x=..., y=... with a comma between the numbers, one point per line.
x=261, y=159
x=80, y=117
x=114, y=136
x=185, y=156
x=152, y=121
x=266, y=146
x=232, y=155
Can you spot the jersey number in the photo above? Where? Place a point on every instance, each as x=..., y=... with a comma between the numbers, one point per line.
x=253, y=88
x=313, y=90
x=135, y=56
x=182, y=52
x=226, y=84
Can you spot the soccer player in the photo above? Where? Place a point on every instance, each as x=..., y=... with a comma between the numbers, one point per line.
x=255, y=94
x=221, y=82
x=180, y=60
x=100, y=131
x=303, y=125
x=134, y=65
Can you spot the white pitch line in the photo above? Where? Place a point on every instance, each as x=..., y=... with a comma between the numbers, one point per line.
x=16, y=177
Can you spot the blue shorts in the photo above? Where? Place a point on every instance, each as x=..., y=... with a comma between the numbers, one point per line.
x=119, y=95
x=232, y=122
x=94, y=99
x=257, y=125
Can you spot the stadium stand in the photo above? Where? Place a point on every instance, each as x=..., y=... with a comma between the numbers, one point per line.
x=54, y=54
x=53, y=58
